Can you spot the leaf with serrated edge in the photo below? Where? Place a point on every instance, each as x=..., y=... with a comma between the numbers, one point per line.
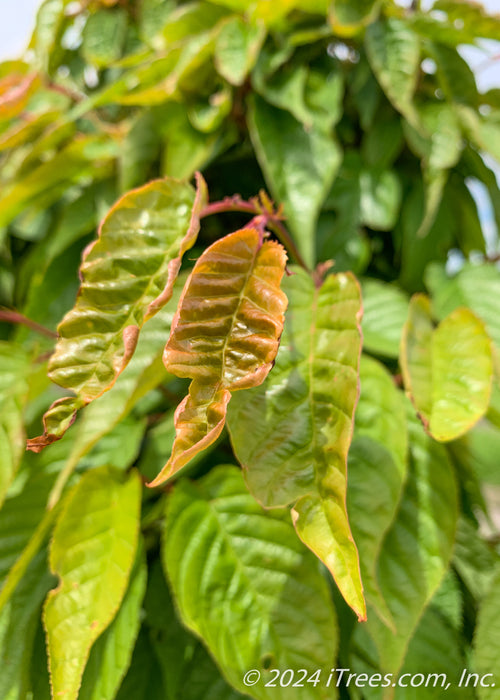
x=111, y=654
x=246, y=585
x=302, y=422
x=127, y=275
x=447, y=371
x=224, y=336
x=93, y=550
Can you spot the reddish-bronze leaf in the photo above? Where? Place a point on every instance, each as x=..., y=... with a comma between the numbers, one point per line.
x=224, y=336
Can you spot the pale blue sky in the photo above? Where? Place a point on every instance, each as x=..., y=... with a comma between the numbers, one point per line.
x=16, y=23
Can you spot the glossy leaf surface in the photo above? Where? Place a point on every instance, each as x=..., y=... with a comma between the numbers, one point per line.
x=127, y=275
x=92, y=551
x=299, y=165
x=302, y=421
x=224, y=336
x=447, y=371
x=247, y=564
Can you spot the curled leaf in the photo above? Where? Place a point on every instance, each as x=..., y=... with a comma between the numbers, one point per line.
x=127, y=275
x=225, y=335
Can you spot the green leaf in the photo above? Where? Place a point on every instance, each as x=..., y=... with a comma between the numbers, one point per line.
x=383, y=142
x=454, y=75
x=42, y=184
x=477, y=287
x=104, y=36
x=144, y=679
x=301, y=422
x=92, y=551
x=127, y=274
x=187, y=667
x=385, y=308
x=299, y=166
x=446, y=371
x=18, y=622
x=14, y=368
x=486, y=641
x=417, y=549
x=224, y=336
x=348, y=17
x=259, y=569
x=473, y=559
x=394, y=53
x=479, y=449
x=111, y=654
x=237, y=48
x=380, y=198
x=377, y=471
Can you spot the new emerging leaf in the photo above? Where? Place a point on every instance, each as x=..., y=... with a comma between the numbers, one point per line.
x=127, y=274
x=225, y=335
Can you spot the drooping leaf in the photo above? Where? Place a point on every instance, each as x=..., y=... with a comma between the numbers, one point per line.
x=418, y=547
x=238, y=45
x=127, y=275
x=92, y=551
x=224, y=336
x=111, y=654
x=447, y=371
x=299, y=166
x=259, y=566
x=104, y=35
x=486, y=641
x=394, y=53
x=474, y=561
x=377, y=470
x=302, y=419
x=385, y=308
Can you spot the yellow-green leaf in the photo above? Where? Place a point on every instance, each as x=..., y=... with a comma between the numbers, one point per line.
x=127, y=274
x=447, y=371
x=92, y=551
x=302, y=422
x=224, y=336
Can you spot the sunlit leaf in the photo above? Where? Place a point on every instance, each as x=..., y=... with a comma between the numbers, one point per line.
x=394, y=53
x=260, y=568
x=299, y=165
x=236, y=50
x=447, y=371
x=127, y=274
x=224, y=336
x=111, y=654
x=385, y=308
x=92, y=551
x=302, y=421
x=349, y=17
